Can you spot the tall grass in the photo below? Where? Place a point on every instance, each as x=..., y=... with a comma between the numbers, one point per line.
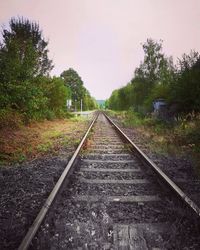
x=183, y=133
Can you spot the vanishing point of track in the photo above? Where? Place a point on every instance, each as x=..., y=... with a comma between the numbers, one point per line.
x=110, y=196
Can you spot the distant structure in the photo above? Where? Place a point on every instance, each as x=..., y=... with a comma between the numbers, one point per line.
x=160, y=109
x=159, y=104
x=68, y=103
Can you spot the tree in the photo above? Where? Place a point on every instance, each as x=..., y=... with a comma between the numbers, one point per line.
x=25, y=86
x=185, y=91
x=157, y=77
x=114, y=100
x=75, y=84
x=154, y=60
x=23, y=57
x=155, y=71
x=23, y=52
x=152, y=79
x=78, y=92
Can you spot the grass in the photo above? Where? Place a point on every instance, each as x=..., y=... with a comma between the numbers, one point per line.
x=179, y=138
x=45, y=147
x=39, y=138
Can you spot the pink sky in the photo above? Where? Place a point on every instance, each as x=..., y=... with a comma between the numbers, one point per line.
x=101, y=39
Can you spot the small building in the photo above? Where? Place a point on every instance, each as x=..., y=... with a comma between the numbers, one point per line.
x=159, y=104
x=160, y=109
x=68, y=103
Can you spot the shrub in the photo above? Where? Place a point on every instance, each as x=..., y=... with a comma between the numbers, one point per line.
x=10, y=118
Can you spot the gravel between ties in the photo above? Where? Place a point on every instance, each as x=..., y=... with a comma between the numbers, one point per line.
x=86, y=223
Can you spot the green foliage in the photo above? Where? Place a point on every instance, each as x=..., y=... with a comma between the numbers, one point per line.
x=158, y=91
x=186, y=89
x=10, y=118
x=153, y=75
x=23, y=53
x=45, y=147
x=26, y=98
x=77, y=91
x=153, y=62
x=132, y=119
x=114, y=101
x=26, y=91
x=157, y=77
x=89, y=103
x=74, y=82
x=57, y=93
x=51, y=99
x=106, y=104
x=151, y=80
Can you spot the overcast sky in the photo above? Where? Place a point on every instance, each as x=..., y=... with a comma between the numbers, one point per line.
x=101, y=39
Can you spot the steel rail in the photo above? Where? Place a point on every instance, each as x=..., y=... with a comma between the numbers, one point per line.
x=41, y=215
x=191, y=204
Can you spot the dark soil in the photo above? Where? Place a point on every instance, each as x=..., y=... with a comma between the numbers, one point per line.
x=23, y=191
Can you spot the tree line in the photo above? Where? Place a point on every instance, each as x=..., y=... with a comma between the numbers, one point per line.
x=26, y=87
x=158, y=77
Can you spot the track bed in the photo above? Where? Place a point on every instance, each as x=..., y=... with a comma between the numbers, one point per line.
x=111, y=201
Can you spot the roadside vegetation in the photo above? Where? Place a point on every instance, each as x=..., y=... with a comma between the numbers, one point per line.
x=157, y=77
x=40, y=138
x=179, y=138
x=27, y=92
x=34, y=118
x=184, y=133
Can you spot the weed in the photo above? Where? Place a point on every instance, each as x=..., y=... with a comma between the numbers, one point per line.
x=65, y=142
x=76, y=142
x=77, y=118
x=181, y=136
x=2, y=158
x=45, y=147
x=127, y=146
x=10, y=118
x=52, y=134
x=21, y=157
x=38, y=138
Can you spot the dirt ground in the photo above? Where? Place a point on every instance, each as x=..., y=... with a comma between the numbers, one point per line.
x=38, y=139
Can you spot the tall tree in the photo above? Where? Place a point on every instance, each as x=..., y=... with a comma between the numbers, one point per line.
x=154, y=75
x=154, y=61
x=185, y=91
x=78, y=92
x=23, y=52
x=75, y=83
x=23, y=60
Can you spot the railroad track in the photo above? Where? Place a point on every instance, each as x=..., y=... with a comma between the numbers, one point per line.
x=109, y=197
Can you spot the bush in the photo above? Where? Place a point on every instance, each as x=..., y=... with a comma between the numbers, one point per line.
x=56, y=92
x=10, y=118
